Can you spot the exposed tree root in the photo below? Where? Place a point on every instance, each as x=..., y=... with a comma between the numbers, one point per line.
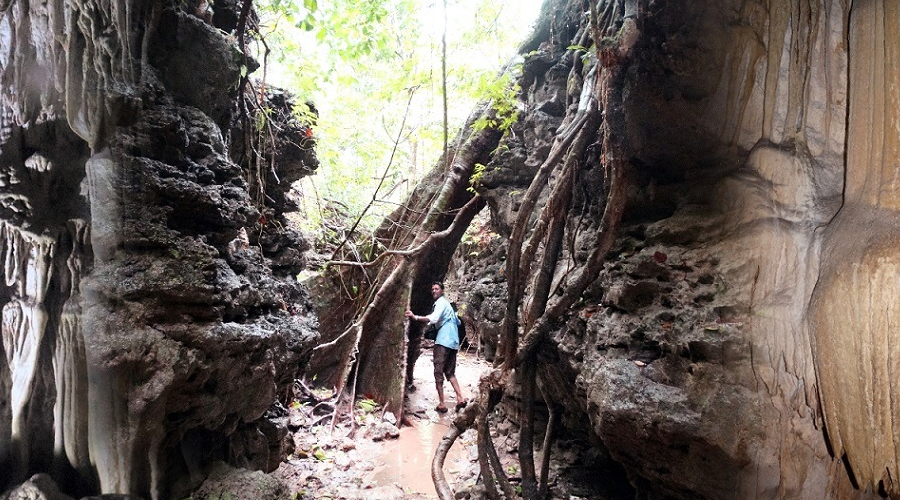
x=527, y=382
x=612, y=215
x=444, y=492
x=542, y=314
x=477, y=414
x=548, y=444
x=494, y=387
x=514, y=253
x=463, y=421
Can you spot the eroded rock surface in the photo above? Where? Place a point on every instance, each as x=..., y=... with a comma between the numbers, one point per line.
x=150, y=312
x=738, y=342
x=227, y=482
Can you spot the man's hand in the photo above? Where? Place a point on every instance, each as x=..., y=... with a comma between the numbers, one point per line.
x=409, y=314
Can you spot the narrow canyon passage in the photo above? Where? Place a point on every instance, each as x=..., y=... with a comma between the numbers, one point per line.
x=672, y=223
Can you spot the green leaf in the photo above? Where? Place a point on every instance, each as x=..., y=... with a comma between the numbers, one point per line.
x=367, y=405
x=356, y=58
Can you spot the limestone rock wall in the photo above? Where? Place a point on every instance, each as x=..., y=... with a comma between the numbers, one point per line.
x=853, y=307
x=150, y=310
x=739, y=342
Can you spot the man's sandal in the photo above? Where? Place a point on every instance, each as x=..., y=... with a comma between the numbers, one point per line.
x=441, y=409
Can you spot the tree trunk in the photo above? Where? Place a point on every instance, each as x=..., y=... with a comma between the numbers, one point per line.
x=429, y=227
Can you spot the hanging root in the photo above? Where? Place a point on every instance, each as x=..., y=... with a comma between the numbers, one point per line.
x=528, y=381
x=548, y=443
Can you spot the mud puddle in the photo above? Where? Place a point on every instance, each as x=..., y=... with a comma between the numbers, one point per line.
x=406, y=461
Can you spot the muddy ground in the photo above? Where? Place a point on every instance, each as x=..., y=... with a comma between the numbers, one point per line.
x=370, y=457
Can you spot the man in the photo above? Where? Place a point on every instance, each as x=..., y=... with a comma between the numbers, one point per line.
x=445, y=345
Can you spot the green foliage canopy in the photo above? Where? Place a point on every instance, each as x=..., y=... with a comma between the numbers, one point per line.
x=359, y=60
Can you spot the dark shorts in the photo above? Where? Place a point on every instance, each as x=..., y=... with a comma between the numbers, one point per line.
x=444, y=363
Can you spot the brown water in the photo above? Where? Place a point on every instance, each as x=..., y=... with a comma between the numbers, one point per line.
x=407, y=461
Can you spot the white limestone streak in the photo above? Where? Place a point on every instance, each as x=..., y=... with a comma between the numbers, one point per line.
x=28, y=268
x=28, y=262
x=70, y=365
x=38, y=163
x=111, y=433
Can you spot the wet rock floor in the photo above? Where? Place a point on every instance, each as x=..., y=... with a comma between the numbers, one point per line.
x=373, y=459
x=370, y=458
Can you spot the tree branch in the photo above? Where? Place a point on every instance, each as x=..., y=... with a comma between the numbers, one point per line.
x=387, y=168
x=462, y=214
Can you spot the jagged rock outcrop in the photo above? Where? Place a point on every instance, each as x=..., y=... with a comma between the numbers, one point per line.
x=150, y=310
x=738, y=343
x=227, y=482
x=43, y=487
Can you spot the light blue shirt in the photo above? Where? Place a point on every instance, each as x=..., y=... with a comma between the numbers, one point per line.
x=442, y=314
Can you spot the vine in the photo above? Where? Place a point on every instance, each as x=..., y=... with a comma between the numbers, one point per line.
x=519, y=356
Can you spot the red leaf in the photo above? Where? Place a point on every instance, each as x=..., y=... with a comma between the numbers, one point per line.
x=660, y=257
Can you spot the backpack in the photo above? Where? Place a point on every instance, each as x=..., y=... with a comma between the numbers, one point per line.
x=431, y=332
x=461, y=329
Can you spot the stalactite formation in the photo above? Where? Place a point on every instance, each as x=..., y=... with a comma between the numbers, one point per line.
x=853, y=308
x=143, y=287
